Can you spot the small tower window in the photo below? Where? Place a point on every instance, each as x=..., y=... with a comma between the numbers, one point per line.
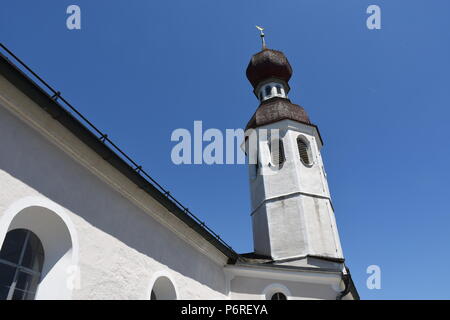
x=277, y=152
x=279, y=89
x=303, y=151
x=268, y=90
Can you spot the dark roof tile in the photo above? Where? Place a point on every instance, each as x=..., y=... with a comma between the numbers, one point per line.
x=267, y=64
x=277, y=109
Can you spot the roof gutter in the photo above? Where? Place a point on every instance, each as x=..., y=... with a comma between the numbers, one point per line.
x=33, y=91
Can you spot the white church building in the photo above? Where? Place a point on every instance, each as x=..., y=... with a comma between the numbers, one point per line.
x=79, y=220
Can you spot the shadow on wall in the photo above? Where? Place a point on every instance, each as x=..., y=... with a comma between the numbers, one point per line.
x=44, y=167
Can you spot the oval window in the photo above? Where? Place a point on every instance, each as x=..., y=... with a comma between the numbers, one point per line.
x=303, y=151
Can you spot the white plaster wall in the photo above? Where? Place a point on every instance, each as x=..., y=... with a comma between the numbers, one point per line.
x=293, y=175
x=250, y=288
x=322, y=232
x=120, y=245
x=286, y=228
x=291, y=207
x=118, y=241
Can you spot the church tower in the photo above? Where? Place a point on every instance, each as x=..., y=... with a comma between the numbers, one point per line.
x=292, y=213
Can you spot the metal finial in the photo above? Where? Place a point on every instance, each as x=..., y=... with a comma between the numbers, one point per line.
x=261, y=30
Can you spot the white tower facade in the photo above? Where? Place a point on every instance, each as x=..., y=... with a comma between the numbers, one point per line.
x=292, y=213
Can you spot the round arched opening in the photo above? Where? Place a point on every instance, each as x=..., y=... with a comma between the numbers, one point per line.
x=278, y=296
x=163, y=289
x=41, y=239
x=304, y=151
x=276, y=291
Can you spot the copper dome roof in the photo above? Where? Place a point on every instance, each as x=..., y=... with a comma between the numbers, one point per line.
x=267, y=64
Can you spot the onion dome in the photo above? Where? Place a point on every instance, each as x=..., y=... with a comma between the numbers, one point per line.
x=269, y=72
x=268, y=64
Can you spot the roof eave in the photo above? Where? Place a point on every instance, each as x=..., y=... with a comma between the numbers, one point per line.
x=27, y=86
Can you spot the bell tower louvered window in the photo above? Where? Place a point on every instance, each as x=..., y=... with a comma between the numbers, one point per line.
x=303, y=151
x=277, y=152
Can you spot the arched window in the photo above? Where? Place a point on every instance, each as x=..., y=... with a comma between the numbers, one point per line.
x=278, y=296
x=303, y=151
x=21, y=260
x=163, y=289
x=277, y=152
x=279, y=89
x=268, y=90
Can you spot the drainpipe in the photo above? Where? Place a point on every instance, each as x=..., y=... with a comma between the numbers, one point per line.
x=346, y=279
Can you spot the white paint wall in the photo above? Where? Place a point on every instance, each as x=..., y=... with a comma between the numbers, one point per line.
x=246, y=288
x=291, y=208
x=92, y=219
x=120, y=245
x=260, y=283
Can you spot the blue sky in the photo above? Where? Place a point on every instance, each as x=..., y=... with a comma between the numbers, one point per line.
x=140, y=69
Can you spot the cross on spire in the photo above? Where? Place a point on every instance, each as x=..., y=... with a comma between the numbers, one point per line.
x=261, y=30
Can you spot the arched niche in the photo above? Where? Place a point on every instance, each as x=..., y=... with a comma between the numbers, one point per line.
x=276, y=289
x=163, y=288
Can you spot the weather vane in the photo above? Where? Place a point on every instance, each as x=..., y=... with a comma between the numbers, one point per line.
x=261, y=29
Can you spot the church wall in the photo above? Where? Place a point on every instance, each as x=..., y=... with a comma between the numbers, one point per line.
x=279, y=230
x=120, y=245
x=291, y=208
x=323, y=233
x=259, y=289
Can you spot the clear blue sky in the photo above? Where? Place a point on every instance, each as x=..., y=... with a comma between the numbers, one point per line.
x=140, y=69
